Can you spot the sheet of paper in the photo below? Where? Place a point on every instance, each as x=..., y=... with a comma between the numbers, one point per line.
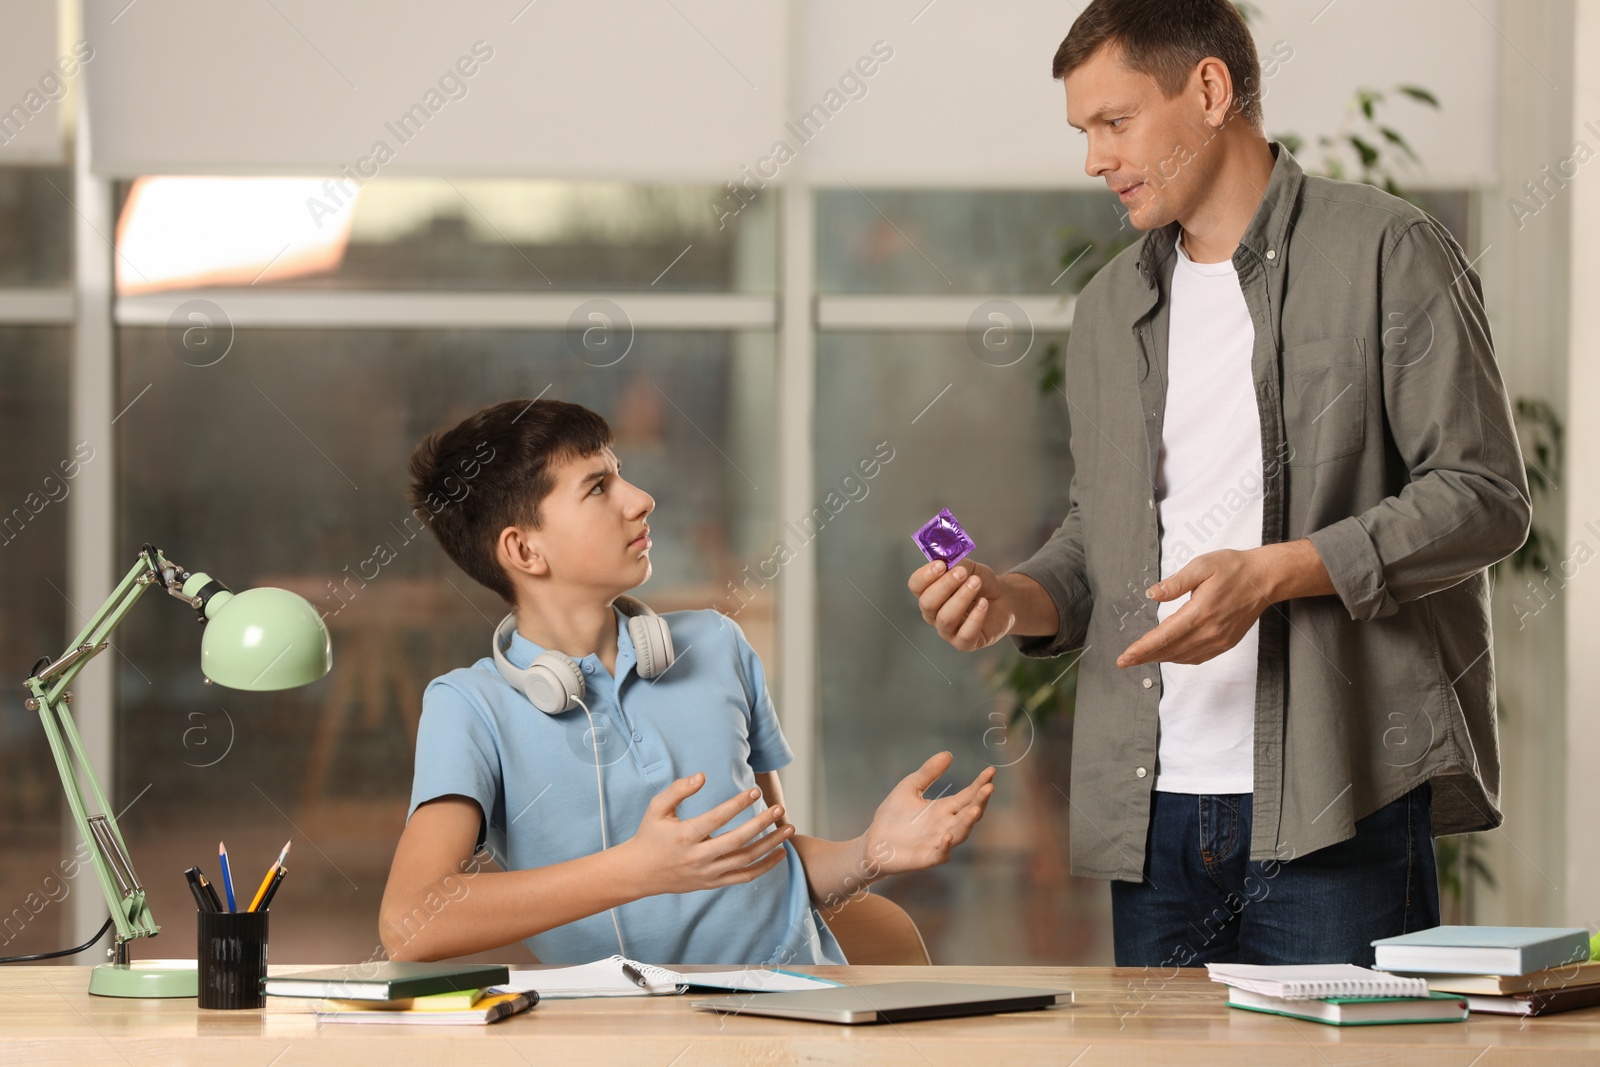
x=757, y=980
x=602, y=978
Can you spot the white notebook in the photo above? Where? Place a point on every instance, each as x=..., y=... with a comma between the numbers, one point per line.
x=606, y=978
x=1316, y=981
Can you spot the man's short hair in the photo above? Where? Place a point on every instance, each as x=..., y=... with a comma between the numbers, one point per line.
x=1166, y=39
x=494, y=470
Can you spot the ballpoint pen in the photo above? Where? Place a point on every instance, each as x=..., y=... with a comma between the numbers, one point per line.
x=227, y=876
x=197, y=882
x=635, y=976
x=211, y=893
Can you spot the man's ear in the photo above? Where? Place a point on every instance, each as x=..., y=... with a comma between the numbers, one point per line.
x=519, y=553
x=1216, y=83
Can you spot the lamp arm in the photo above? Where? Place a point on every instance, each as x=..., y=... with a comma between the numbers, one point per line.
x=102, y=837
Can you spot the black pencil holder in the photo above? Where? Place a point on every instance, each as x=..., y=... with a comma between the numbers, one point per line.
x=233, y=959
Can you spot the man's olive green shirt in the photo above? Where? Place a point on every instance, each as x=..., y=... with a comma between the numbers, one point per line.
x=1386, y=438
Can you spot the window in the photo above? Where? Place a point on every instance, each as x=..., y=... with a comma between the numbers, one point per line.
x=285, y=464
x=416, y=234
x=983, y=441
x=34, y=619
x=279, y=458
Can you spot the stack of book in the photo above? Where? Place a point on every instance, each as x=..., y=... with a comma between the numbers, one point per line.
x=406, y=993
x=1341, y=994
x=1504, y=970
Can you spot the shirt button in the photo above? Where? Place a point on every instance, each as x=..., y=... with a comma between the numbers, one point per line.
x=1272, y=253
x=1147, y=683
x=637, y=736
x=588, y=668
x=1152, y=503
x=1141, y=772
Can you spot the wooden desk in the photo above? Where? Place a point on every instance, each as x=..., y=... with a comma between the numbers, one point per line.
x=47, y=1017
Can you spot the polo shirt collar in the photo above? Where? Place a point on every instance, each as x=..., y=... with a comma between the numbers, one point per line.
x=522, y=652
x=1267, y=232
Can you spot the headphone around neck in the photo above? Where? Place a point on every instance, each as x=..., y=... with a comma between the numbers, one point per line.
x=554, y=683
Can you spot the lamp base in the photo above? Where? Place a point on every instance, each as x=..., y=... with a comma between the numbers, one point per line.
x=146, y=978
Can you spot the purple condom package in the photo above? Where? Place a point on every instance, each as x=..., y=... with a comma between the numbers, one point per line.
x=942, y=538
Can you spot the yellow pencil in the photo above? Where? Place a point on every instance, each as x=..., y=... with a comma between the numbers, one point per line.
x=272, y=870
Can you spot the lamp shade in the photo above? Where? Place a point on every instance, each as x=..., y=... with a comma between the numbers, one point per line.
x=263, y=639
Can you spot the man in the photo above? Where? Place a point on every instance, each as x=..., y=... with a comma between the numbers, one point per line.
x=1294, y=461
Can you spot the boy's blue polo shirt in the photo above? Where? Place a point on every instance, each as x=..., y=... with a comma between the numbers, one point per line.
x=533, y=776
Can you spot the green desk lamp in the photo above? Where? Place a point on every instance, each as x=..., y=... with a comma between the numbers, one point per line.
x=260, y=639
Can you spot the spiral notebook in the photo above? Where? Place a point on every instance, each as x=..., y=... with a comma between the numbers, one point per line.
x=1357, y=1011
x=606, y=978
x=1316, y=981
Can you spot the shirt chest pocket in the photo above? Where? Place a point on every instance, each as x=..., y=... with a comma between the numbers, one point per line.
x=1325, y=399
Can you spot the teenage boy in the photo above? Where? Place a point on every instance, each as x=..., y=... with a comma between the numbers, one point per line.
x=670, y=760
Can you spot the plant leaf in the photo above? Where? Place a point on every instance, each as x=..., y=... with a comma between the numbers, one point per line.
x=1393, y=137
x=1419, y=94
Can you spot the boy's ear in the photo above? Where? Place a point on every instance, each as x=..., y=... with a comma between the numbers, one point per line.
x=519, y=554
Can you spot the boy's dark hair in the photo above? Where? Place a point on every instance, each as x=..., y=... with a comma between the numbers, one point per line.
x=493, y=470
x=1166, y=39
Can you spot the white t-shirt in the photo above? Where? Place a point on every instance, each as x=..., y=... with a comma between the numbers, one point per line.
x=1208, y=497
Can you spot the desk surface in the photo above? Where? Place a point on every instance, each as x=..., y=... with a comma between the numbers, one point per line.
x=1122, y=1016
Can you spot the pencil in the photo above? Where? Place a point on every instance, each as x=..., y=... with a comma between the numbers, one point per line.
x=227, y=876
x=272, y=890
x=271, y=873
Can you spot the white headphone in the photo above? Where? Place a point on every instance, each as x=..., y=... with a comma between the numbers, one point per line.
x=554, y=682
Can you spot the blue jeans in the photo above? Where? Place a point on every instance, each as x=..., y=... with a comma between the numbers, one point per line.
x=1203, y=900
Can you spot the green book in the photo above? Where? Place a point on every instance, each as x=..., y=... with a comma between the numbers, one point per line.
x=1357, y=1011
x=386, y=980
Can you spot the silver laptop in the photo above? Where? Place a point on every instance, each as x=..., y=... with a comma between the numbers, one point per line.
x=890, y=1002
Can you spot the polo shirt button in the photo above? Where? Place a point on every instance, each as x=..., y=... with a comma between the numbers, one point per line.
x=1147, y=683
x=637, y=736
x=1141, y=772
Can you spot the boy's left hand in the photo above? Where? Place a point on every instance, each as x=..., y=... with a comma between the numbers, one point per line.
x=910, y=832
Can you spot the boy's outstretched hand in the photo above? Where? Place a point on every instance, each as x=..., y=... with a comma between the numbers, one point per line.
x=674, y=855
x=911, y=832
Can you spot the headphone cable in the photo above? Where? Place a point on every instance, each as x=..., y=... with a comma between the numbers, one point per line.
x=599, y=784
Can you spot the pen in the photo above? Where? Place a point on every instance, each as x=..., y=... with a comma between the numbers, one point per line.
x=272, y=872
x=195, y=878
x=634, y=976
x=211, y=892
x=227, y=876
x=277, y=880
